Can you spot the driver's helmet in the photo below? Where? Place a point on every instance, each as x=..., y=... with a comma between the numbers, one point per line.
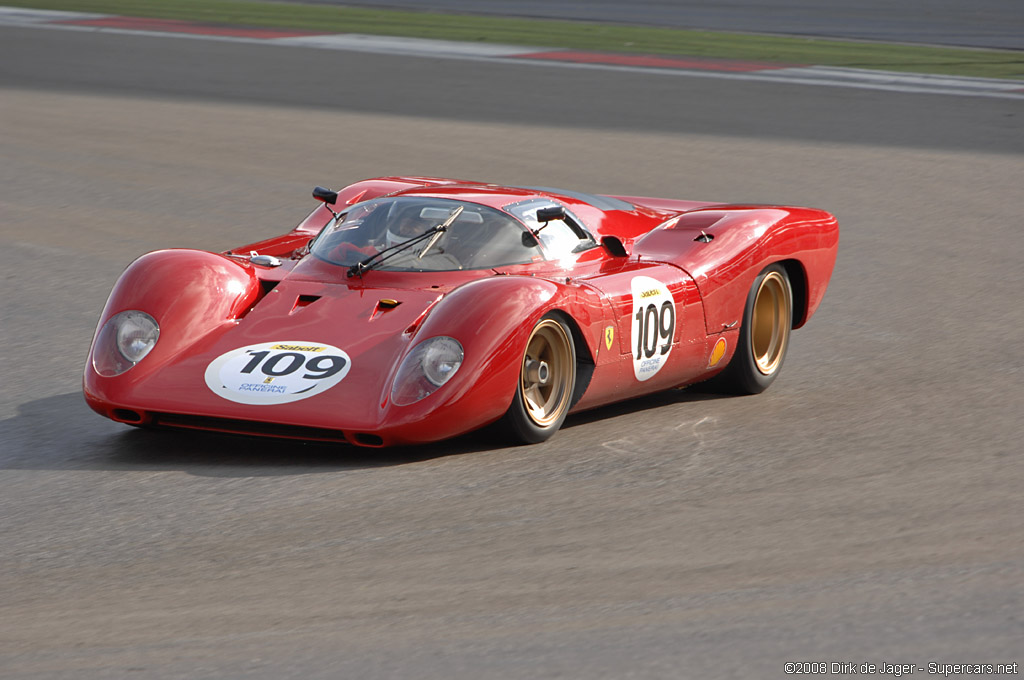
x=408, y=225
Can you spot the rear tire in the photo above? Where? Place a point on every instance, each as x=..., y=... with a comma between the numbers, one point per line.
x=764, y=336
x=547, y=376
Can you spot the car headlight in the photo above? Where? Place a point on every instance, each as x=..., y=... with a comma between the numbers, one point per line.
x=429, y=365
x=123, y=342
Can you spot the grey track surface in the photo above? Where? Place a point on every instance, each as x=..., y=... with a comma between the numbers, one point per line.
x=979, y=23
x=532, y=93
x=865, y=509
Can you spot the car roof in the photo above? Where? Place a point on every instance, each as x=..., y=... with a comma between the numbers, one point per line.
x=601, y=215
x=500, y=196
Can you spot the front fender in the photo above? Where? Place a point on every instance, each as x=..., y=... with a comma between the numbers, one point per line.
x=189, y=293
x=492, y=319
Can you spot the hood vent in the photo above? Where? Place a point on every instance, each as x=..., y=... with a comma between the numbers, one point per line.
x=304, y=301
x=384, y=305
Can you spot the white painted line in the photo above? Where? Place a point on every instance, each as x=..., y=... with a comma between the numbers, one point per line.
x=802, y=76
x=833, y=73
x=18, y=17
x=406, y=46
x=148, y=33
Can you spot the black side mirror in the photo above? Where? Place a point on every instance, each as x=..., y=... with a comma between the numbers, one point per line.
x=545, y=215
x=325, y=195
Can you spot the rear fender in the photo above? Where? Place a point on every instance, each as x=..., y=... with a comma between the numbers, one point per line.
x=725, y=248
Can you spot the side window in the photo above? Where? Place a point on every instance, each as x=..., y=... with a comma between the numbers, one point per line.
x=557, y=237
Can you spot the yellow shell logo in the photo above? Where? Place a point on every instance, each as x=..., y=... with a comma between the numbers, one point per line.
x=609, y=335
x=717, y=353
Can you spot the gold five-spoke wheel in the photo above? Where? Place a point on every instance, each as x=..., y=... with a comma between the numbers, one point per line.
x=764, y=335
x=770, y=322
x=546, y=378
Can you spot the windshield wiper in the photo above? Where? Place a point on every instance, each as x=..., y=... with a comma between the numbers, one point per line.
x=372, y=261
x=440, y=229
x=380, y=256
x=383, y=255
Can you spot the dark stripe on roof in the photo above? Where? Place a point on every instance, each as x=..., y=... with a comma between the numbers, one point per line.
x=599, y=202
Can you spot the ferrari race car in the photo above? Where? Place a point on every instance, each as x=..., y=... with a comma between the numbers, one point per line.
x=407, y=310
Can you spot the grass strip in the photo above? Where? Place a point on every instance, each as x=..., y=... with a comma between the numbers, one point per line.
x=604, y=37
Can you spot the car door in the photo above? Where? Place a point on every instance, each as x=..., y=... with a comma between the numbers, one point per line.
x=659, y=326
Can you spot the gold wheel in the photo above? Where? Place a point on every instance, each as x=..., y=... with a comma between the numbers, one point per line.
x=770, y=322
x=547, y=374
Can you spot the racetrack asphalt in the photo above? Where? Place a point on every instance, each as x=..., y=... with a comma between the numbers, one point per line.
x=865, y=509
x=636, y=64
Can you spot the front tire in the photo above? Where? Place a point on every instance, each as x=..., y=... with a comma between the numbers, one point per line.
x=547, y=376
x=764, y=336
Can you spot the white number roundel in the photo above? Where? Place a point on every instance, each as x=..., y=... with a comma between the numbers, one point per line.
x=654, y=326
x=277, y=372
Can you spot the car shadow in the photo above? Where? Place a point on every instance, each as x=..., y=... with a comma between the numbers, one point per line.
x=62, y=433
x=645, y=403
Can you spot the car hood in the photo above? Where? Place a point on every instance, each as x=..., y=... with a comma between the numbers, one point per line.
x=372, y=327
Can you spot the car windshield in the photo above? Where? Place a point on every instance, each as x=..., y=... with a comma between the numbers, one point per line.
x=413, y=233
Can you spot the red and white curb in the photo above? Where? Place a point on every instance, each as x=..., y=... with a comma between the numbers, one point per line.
x=420, y=47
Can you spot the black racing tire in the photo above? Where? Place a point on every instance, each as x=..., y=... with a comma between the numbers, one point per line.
x=547, y=377
x=764, y=336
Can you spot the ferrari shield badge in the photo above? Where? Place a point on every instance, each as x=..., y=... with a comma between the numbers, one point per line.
x=609, y=336
x=654, y=326
x=277, y=372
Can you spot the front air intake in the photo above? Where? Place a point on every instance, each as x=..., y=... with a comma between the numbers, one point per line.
x=125, y=415
x=248, y=427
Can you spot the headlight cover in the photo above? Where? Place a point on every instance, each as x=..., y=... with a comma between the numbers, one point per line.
x=123, y=342
x=429, y=365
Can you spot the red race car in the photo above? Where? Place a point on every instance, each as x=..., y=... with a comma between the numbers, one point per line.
x=408, y=309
